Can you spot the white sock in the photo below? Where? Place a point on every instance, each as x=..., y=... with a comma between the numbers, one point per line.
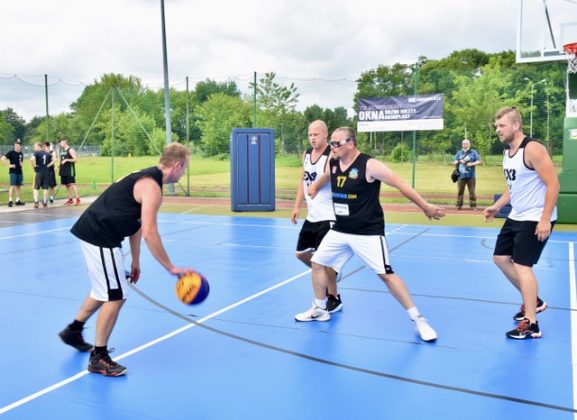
x=321, y=303
x=413, y=313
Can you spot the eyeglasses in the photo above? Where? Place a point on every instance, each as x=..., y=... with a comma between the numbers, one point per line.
x=337, y=144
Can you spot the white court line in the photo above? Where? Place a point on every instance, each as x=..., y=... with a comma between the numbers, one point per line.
x=573, y=306
x=38, y=232
x=81, y=374
x=452, y=235
x=190, y=210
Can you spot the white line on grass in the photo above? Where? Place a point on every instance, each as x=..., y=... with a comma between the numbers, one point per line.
x=149, y=344
x=573, y=306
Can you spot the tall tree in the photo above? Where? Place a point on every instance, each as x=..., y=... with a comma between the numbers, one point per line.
x=278, y=103
x=204, y=89
x=97, y=96
x=272, y=96
x=475, y=101
x=6, y=131
x=217, y=116
x=17, y=123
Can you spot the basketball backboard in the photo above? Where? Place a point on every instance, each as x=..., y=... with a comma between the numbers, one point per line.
x=544, y=27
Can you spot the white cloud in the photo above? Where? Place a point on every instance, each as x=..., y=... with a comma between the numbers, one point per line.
x=79, y=41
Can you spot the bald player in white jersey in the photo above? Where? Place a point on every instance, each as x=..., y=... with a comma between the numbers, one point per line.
x=320, y=212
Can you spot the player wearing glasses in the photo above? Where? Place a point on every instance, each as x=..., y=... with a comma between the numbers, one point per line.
x=360, y=228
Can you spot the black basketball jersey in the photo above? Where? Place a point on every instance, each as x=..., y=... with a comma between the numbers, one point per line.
x=356, y=201
x=68, y=168
x=15, y=158
x=42, y=159
x=115, y=214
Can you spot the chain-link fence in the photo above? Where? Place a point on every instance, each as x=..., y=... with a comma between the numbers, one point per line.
x=120, y=116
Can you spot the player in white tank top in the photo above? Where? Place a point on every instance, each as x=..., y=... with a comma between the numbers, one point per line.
x=526, y=189
x=321, y=214
x=321, y=206
x=532, y=190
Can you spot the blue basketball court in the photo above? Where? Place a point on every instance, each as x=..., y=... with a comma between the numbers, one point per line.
x=241, y=354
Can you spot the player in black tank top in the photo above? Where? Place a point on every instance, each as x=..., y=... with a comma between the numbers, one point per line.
x=356, y=199
x=128, y=208
x=359, y=228
x=115, y=214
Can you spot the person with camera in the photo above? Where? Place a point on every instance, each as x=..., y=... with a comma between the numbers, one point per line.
x=466, y=159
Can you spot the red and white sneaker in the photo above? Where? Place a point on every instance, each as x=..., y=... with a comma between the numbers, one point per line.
x=69, y=202
x=77, y=202
x=525, y=330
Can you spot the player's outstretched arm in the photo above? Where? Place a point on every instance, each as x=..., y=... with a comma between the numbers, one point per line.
x=378, y=170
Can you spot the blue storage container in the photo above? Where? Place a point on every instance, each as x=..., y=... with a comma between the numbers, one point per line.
x=252, y=179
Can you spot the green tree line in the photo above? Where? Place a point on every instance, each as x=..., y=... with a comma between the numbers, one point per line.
x=124, y=117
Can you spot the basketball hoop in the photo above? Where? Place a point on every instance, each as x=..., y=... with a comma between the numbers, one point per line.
x=571, y=50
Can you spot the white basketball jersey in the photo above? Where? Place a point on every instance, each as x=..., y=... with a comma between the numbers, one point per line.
x=319, y=208
x=526, y=189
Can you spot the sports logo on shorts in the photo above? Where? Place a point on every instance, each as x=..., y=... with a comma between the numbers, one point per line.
x=354, y=173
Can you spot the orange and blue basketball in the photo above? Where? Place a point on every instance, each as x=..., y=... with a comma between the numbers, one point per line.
x=192, y=288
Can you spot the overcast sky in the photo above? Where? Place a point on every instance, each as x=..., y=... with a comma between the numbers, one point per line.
x=76, y=41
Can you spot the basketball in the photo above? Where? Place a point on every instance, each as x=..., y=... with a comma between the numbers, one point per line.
x=192, y=288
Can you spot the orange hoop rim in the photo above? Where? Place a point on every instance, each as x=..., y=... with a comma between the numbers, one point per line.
x=570, y=48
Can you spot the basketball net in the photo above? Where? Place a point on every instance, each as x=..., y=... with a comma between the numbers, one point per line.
x=571, y=50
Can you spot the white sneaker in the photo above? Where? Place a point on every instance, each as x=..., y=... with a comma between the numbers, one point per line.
x=313, y=314
x=426, y=332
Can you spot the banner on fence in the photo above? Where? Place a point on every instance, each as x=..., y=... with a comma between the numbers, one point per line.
x=400, y=113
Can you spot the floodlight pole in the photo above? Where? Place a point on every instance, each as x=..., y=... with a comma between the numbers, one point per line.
x=531, y=106
x=187, y=139
x=166, y=87
x=254, y=101
x=47, y=113
x=549, y=148
x=415, y=90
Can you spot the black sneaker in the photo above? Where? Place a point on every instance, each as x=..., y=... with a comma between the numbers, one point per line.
x=334, y=304
x=10, y=204
x=520, y=316
x=75, y=339
x=525, y=330
x=103, y=364
x=51, y=200
x=19, y=203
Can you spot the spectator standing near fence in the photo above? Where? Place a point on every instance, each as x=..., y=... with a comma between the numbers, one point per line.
x=68, y=159
x=15, y=158
x=467, y=159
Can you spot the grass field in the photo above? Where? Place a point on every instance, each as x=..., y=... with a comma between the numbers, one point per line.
x=210, y=177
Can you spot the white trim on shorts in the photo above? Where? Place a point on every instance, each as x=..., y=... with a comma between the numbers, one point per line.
x=338, y=247
x=106, y=272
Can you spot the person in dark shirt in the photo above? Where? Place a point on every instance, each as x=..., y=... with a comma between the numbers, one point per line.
x=127, y=209
x=360, y=228
x=67, y=170
x=41, y=161
x=51, y=171
x=15, y=158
